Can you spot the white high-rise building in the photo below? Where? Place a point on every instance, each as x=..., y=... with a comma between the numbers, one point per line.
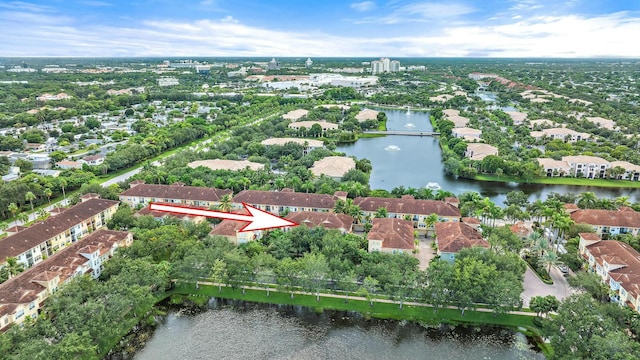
x=308, y=63
x=384, y=65
x=394, y=66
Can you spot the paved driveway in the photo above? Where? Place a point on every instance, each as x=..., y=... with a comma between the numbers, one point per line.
x=533, y=286
x=425, y=252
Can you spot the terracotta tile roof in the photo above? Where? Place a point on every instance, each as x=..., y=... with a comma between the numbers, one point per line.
x=175, y=192
x=285, y=198
x=520, y=229
x=160, y=214
x=37, y=233
x=15, y=229
x=407, y=205
x=623, y=255
x=93, y=157
x=394, y=233
x=227, y=228
x=628, y=219
x=22, y=289
x=590, y=236
x=471, y=220
x=326, y=220
x=454, y=236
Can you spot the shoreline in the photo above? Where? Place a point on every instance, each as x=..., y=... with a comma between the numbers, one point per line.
x=382, y=308
x=569, y=181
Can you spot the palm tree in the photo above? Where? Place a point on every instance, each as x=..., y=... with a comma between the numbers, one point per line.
x=430, y=221
x=29, y=196
x=279, y=183
x=537, y=243
x=356, y=189
x=441, y=194
x=587, y=200
x=308, y=186
x=13, y=208
x=13, y=267
x=63, y=185
x=548, y=260
x=225, y=203
x=622, y=201
x=43, y=214
x=381, y=213
x=536, y=209
x=48, y=193
x=23, y=218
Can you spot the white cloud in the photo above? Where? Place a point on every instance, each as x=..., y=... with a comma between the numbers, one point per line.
x=420, y=11
x=42, y=34
x=24, y=6
x=364, y=6
x=96, y=3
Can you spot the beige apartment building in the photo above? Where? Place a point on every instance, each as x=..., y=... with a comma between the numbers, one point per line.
x=64, y=228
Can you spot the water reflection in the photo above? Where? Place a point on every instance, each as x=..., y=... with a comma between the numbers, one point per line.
x=419, y=163
x=284, y=332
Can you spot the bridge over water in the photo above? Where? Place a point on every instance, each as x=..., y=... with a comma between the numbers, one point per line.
x=404, y=133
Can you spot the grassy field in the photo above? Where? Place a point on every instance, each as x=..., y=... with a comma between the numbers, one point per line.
x=381, y=310
x=563, y=181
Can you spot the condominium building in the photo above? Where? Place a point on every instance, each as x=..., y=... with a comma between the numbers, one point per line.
x=618, y=266
x=45, y=238
x=408, y=207
x=384, y=65
x=452, y=237
x=609, y=222
x=141, y=193
x=286, y=200
x=22, y=296
x=394, y=236
x=564, y=134
x=308, y=144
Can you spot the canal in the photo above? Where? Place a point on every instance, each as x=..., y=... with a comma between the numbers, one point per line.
x=413, y=161
x=253, y=331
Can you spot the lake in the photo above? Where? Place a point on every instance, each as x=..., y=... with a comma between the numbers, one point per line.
x=414, y=161
x=253, y=331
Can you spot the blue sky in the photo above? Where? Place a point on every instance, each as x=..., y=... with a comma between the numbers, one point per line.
x=393, y=28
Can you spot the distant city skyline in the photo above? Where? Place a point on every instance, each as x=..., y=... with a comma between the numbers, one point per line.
x=330, y=28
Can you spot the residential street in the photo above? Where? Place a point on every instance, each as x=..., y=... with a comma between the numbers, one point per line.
x=115, y=180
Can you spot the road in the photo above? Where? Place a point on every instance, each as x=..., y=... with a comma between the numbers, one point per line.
x=533, y=286
x=128, y=174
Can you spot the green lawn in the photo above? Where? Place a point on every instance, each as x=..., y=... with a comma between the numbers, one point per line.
x=563, y=181
x=423, y=314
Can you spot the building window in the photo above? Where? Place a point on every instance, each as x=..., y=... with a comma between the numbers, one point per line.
x=19, y=314
x=32, y=305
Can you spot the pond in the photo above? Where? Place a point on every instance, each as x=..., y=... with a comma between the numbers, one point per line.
x=253, y=331
x=414, y=161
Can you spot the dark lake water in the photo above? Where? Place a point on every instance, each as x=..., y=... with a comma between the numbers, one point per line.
x=414, y=161
x=257, y=332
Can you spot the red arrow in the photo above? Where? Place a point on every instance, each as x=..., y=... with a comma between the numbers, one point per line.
x=258, y=219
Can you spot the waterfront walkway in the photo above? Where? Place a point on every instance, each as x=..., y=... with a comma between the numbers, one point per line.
x=360, y=298
x=403, y=133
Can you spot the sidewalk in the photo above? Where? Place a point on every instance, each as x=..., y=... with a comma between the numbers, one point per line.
x=360, y=298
